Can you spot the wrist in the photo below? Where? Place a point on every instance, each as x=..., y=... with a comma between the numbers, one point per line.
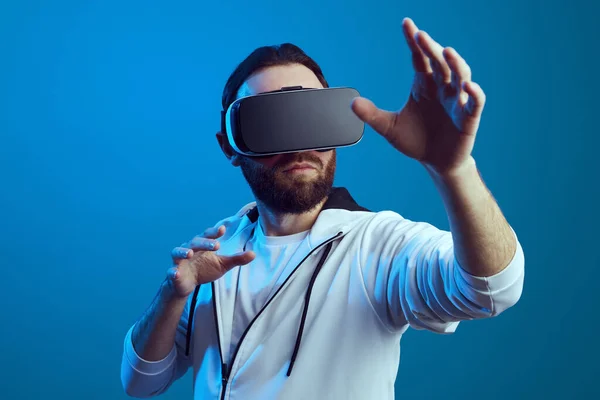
x=168, y=293
x=465, y=171
x=461, y=188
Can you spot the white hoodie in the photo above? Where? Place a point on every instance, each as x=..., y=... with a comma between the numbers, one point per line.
x=333, y=329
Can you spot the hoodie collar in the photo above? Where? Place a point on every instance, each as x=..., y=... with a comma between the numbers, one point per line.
x=337, y=215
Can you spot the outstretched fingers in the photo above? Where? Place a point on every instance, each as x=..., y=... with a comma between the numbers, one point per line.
x=382, y=121
x=475, y=104
x=236, y=260
x=181, y=253
x=461, y=71
x=434, y=52
x=204, y=242
x=214, y=232
x=419, y=60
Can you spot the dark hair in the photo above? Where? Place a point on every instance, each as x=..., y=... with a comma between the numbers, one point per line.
x=263, y=57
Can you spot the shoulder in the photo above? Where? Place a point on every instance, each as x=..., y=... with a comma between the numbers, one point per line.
x=390, y=230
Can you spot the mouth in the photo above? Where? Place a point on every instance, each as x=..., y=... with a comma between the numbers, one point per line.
x=301, y=167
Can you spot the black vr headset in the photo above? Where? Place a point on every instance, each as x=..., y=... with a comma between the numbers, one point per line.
x=292, y=119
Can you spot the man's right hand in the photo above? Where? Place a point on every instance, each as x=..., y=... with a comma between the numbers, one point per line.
x=196, y=262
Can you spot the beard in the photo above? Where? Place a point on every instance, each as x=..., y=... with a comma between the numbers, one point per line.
x=287, y=193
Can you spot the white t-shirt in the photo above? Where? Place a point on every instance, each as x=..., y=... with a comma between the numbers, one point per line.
x=260, y=279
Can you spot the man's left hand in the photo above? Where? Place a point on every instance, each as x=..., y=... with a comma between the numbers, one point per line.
x=439, y=122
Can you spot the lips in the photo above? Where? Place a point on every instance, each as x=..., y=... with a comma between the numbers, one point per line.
x=299, y=166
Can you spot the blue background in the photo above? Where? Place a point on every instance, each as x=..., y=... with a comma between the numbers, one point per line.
x=108, y=159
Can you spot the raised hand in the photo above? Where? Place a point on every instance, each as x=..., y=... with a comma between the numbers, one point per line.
x=438, y=124
x=196, y=262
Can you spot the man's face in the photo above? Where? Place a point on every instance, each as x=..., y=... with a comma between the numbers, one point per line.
x=290, y=183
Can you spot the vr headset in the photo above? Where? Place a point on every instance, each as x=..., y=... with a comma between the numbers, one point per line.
x=292, y=119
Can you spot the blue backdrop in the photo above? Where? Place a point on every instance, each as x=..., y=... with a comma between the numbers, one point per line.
x=108, y=159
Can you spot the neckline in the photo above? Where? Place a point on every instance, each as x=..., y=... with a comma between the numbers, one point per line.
x=278, y=240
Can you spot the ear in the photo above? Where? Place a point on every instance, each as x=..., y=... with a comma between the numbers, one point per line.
x=229, y=152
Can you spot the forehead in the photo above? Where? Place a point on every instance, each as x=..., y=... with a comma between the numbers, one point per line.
x=274, y=78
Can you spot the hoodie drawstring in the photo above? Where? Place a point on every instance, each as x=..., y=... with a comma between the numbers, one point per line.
x=307, y=300
x=302, y=321
x=188, y=334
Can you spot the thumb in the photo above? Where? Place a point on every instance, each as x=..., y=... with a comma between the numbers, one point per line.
x=380, y=120
x=229, y=262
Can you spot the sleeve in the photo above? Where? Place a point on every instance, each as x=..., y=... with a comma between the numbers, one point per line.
x=144, y=379
x=413, y=279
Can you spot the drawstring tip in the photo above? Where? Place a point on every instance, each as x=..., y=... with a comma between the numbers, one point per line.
x=291, y=367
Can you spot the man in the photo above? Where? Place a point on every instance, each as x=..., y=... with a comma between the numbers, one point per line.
x=304, y=294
